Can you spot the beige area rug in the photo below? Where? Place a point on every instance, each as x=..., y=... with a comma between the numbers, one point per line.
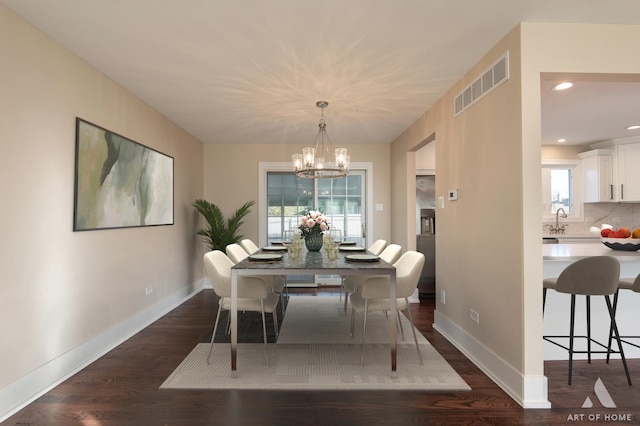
x=315, y=352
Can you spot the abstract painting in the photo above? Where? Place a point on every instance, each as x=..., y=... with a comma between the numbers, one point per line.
x=119, y=183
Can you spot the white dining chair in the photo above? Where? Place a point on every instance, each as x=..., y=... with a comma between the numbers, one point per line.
x=249, y=246
x=237, y=254
x=373, y=294
x=390, y=254
x=253, y=294
x=377, y=247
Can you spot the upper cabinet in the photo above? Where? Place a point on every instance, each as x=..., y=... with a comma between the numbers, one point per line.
x=597, y=175
x=628, y=161
x=612, y=174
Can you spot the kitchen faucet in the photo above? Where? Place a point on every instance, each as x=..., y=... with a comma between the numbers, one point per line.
x=558, y=229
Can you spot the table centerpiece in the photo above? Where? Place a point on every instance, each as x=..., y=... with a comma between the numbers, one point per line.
x=312, y=226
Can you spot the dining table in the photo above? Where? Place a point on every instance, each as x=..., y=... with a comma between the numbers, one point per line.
x=351, y=262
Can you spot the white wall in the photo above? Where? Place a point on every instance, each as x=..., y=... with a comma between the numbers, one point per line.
x=59, y=289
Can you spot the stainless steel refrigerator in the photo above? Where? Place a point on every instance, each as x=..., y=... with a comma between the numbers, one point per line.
x=426, y=226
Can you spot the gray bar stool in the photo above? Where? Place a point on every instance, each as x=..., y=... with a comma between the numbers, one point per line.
x=632, y=284
x=591, y=276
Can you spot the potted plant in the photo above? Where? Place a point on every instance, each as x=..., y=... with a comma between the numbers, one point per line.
x=220, y=232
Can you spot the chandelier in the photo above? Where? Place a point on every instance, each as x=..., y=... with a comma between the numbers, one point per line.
x=314, y=161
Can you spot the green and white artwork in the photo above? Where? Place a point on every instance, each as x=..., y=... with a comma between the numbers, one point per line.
x=119, y=183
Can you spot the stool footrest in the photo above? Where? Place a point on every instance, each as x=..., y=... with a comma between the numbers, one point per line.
x=586, y=338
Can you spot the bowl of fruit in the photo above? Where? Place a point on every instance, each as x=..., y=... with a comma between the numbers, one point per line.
x=621, y=239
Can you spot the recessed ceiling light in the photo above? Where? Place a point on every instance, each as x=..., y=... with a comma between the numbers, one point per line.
x=562, y=86
x=562, y=140
x=634, y=127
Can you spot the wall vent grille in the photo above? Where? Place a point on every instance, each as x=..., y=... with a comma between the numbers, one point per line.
x=491, y=78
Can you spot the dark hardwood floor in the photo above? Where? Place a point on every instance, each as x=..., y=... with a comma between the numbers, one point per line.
x=121, y=388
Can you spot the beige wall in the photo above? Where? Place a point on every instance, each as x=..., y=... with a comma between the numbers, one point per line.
x=476, y=151
x=60, y=288
x=555, y=152
x=232, y=175
x=488, y=242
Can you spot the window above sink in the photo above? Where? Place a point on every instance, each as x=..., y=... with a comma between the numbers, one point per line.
x=561, y=188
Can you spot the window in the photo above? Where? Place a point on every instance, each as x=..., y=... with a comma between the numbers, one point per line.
x=289, y=197
x=559, y=190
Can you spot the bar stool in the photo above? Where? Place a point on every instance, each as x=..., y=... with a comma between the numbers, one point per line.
x=632, y=284
x=591, y=276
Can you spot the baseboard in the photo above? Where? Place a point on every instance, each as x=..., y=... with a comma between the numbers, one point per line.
x=28, y=388
x=528, y=391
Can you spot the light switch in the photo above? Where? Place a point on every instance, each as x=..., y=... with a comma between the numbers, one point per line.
x=441, y=202
x=379, y=207
x=453, y=194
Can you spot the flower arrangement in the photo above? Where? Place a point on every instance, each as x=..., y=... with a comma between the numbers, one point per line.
x=313, y=222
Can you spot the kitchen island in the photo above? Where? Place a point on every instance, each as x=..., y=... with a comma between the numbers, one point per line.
x=556, y=257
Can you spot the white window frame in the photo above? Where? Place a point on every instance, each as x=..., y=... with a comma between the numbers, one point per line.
x=577, y=214
x=265, y=167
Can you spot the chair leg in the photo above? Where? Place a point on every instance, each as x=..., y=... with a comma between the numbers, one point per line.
x=346, y=297
x=364, y=330
x=264, y=332
x=571, y=329
x=275, y=322
x=615, y=307
x=213, y=336
x=614, y=325
x=353, y=320
x=282, y=303
x=544, y=299
x=588, y=307
x=227, y=328
x=400, y=324
x=413, y=330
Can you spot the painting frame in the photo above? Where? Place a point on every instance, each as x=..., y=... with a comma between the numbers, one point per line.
x=119, y=183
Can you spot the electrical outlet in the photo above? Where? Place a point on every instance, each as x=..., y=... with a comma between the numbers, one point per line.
x=616, y=219
x=474, y=316
x=148, y=290
x=588, y=219
x=443, y=297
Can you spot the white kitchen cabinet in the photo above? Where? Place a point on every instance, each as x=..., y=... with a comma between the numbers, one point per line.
x=597, y=175
x=628, y=161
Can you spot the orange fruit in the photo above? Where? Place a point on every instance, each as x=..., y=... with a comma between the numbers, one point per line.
x=625, y=232
x=605, y=232
x=636, y=233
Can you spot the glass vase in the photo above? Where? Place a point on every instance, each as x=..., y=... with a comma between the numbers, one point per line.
x=313, y=242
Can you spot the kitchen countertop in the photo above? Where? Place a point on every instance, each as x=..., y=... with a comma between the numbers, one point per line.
x=579, y=251
x=572, y=236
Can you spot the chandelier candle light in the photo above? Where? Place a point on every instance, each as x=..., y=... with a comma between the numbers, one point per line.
x=313, y=162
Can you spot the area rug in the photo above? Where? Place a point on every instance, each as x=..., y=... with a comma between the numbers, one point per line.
x=315, y=352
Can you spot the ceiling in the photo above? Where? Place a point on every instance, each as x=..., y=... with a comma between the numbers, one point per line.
x=251, y=71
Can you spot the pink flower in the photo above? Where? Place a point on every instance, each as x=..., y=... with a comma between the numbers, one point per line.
x=310, y=223
x=323, y=226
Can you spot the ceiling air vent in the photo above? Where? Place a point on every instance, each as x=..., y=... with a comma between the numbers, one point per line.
x=491, y=78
